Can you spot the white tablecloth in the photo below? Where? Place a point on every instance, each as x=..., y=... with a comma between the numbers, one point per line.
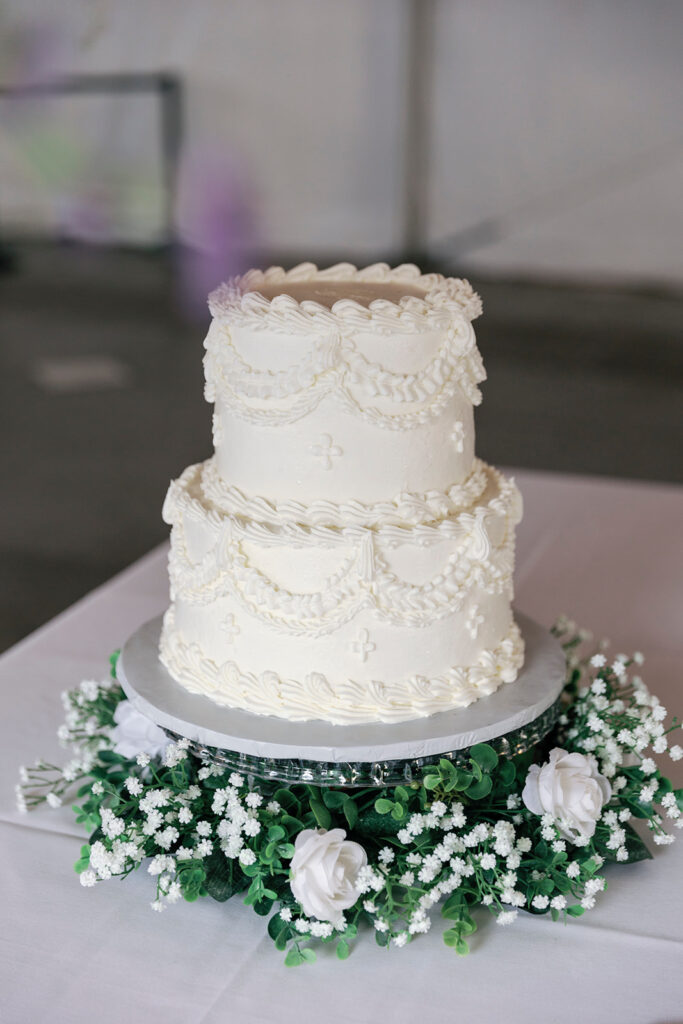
x=607, y=553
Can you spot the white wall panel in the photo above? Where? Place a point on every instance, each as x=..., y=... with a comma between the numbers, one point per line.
x=558, y=135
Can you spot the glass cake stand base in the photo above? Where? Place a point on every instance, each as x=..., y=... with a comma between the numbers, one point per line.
x=513, y=719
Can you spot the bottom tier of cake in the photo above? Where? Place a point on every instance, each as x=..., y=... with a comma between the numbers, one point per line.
x=342, y=624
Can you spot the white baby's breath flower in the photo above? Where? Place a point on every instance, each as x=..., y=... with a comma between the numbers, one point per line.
x=251, y=827
x=506, y=917
x=676, y=752
x=273, y=807
x=558, y=902
x=88, y=878
x=54, y=800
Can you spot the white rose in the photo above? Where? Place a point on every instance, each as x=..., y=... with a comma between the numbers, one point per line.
x=323, y=872
x=570, y=788
x=135, y=734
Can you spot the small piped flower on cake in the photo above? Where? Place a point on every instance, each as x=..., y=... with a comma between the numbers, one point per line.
x=326, y=450
x=474, y=620
x=363, y=645
x=229, y=628
x=458, y=436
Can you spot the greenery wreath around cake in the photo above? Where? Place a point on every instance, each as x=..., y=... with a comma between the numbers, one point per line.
x=530, y=832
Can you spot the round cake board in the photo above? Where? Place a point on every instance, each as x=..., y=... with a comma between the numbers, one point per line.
x=155, y=693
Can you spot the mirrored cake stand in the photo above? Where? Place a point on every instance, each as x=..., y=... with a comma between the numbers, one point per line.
x=513, y=719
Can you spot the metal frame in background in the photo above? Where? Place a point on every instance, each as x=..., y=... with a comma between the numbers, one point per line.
x=169, y=89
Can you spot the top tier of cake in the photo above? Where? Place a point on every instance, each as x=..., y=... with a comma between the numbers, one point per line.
x=343, y=395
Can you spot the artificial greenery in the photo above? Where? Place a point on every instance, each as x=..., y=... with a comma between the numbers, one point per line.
x=461, y=837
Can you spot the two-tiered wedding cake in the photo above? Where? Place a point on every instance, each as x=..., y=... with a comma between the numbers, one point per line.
x=343, y=556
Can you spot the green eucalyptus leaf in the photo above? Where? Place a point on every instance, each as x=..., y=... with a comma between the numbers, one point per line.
x=576, y=910
x=371, y=823
x=482, y=788
x=109, y=757
x=320, y=812
x=454, y=902
x=350, y=811
x=485, y=756
x=308, y=955
x=263, y=907
x=343, y=949
x=462, y=780
x=638, y=809
x=333, y=798
x=222, y=880
x=384, y=806
x=292, y=824
x=294, y=958
x=398, y=812
x=461, y=947
x=431, y=782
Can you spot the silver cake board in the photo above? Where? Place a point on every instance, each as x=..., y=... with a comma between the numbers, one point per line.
x=512, y=719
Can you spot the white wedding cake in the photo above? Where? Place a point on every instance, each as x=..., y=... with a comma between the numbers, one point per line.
x=344, y=555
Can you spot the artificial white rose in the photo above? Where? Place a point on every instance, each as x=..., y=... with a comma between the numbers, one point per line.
x=324, y=869
x=135, y=734
x=571, y=789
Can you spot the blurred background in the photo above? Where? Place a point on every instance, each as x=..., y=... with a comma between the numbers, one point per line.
x=150, y=149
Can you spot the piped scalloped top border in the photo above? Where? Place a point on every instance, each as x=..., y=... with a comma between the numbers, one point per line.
x=240, y=301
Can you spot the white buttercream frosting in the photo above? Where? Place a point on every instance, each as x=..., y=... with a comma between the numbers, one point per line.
x=314, y=696
x=343, y=555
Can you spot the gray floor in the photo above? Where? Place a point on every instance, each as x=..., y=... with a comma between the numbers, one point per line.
x=101, y=404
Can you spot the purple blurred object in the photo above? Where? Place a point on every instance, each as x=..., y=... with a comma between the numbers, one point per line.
x=217, y=227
